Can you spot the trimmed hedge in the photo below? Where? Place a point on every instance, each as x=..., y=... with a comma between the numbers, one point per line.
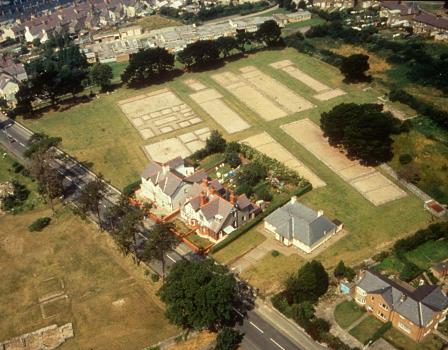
x=39, y=224
x=246, y=227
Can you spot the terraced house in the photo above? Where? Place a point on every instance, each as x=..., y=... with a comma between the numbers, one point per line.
x=414, y=312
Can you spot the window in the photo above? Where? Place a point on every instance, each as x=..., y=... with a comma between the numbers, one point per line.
x=404, y=327
x=361, y=300
x=381, y=315
x=384, y=306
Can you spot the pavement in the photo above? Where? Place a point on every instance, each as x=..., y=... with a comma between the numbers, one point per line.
x=264, y=327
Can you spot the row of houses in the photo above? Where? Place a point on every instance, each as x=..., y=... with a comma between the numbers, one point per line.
x=76, y=18
x=403, y=14
x=204, y=204
x=118, y=45
x=11, y=74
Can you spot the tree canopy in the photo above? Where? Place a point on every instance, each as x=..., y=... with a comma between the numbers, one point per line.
x=363, y=131
x=101, y=75
x=201, y=54
x=269, y=33
x=228, y=339
x=310, y=283
x=199, y=295
x=354, y=67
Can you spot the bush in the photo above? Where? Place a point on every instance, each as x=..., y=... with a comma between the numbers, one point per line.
x=405, y=159
x=17, y=167
x=20, y=195
x=263, y=192
x=275, y=253
x=131, y=188
x=39, y=224
x=228, y=339
x=380, y=256
x=155, y=277
x=410, y=271
x=281, y=304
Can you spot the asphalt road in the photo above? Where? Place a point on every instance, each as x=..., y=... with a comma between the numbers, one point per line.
x=263, y=330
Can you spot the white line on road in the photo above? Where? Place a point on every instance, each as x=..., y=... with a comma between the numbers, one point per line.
x=21, y=144
x=259, y=329
x=239, y=313
x=169, y=257
x=281, y=347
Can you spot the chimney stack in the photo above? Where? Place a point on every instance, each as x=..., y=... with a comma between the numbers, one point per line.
x=293, y=199
x=203, y=199
x=320, y=213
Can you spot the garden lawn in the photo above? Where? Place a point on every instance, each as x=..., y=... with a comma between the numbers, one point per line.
x=240, y=246
x=403, y=342
x=198, y=241
x=429, y=253
x=117, y=69
x=347, y=312
x=366, y=329
x=111, y=303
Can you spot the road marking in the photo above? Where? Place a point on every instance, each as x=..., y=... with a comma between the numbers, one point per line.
x=169, y=257
x=259, y=329
x=281, y=347
x=21, y=144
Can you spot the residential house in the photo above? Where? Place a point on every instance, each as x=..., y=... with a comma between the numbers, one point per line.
x=429, y=24
x=334, y=4
x=8, y=88
x=302, y=227
x=14, y=69
x=167, y=184
x=213, y=212
x=397, y=13
x=414, y=312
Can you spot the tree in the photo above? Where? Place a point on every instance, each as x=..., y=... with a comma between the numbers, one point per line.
x=41, y=142
x=91, y=197
x=363, y=131
x=24, y=98
x=126, y=233
x=301, y=5
x=251, y=174
x=269, y=33
x=354, y=67
x=201, y=54
x=199, y=295
x=36, y=42
x=147, y=65
x=161, y=240
x=303, y=314
x=233, y=159
x=242, y=39
x=342, y=271
x=445, y=5
x=215, y=143
x=101, y=75
x=42, y=167
x=310, y=283
x=228, y=339
x=226, y=44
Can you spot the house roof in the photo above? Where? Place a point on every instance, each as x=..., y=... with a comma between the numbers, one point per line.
x=295, y=220
x=418, y=306
x=217, y=211
x=398, y=5
x=432, y=20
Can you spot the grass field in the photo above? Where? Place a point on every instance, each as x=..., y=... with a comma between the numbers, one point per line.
x=109, y=301
x=403, y=342
x=364, y=331
x=98, y=132
x=347, y=312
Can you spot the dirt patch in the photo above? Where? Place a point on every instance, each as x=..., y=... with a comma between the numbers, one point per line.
x=197, y=342
x=377, y=64
x=266, y=144
x=367, y=180
x=211, y=101
x=194, y=84
x=328, y=95
x=12, y=245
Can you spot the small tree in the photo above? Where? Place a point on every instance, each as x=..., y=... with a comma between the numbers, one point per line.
x=301, y=5
x=215, y=143
x=269, y=33
x=342, y=271
x=161, y=240
x=101, y=75
x=354, y=67
x=91, y=197
x=228, y=339
x=303, y=314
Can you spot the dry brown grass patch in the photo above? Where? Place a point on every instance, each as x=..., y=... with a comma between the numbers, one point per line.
x=197, y=342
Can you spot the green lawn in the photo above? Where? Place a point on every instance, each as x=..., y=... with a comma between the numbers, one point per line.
x=429, y=253
x=212, y=160
x=390, y=265
x=117, y=69
x=198, y=241
x=364, y=331
x=347, y=312
x=403, y=342
x=241, y=245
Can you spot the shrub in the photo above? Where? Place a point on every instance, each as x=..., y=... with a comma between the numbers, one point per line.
x=131, y=188
x=17, y=167
x=410, y=271
x=155, y=277
x=39, y=224
x=233, y=159
x=281, y=304
x=228, y=339
x=405, y=158
x=380, y=256
x=263, y=192
x=275, y=253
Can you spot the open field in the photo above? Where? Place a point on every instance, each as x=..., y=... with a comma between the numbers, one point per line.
x=211, y=101
x=182, y=145
x=158, y=113
x=373, y=185
x=266, y=144
x=72, y=273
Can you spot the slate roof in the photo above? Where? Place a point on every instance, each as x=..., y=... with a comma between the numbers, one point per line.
x=397, y=5
x=418, y=306
x=218, y=211
x=432, y=20
x=295, y=220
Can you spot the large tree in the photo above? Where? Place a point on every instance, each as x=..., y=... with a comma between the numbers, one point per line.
x=199, y=295
x=25, y=99
x=228, y=339
x=269, y=33
x=91, y=198
x=363, y=131
x=42, y=166
x=147, y=65
x=226, y=44
x=310, y=283
x=101, y=75
x=354, y=67
x=200, y=54
x=161, y=240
